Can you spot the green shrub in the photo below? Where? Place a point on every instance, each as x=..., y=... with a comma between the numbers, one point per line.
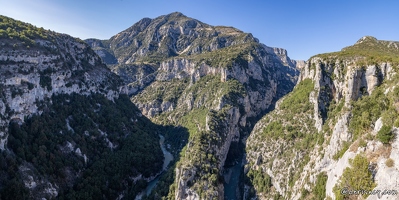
x=385, y=134
x=355, y=177
x=389, y=116
x=45, y=82
x=40, y=141
x=226, y=57
x=25, y=32
x=320, y=186
x=298, y=100
x=362, y=143
x=367, y=110
x=368, y=52
x=275, y=129
x=341, y=152
x=389, y=162
x=260, y=179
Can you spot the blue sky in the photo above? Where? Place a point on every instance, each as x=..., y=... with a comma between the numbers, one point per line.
x=303, y=27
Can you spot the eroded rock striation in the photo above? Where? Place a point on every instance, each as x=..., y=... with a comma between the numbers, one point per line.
x=212, y=80
x=63, y=117
x=333, y=116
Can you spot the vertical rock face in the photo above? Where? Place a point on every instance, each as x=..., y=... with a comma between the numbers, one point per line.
x=242, y=90
x=169, y=35
x=333, y=122
x=62, y=65
x=55, y=96
x=213, y=80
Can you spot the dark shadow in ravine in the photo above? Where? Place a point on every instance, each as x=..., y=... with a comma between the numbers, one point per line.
x=233, y=175
x=175, y=138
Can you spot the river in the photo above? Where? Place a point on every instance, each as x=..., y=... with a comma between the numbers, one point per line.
x=168, y=158
x=232, y=178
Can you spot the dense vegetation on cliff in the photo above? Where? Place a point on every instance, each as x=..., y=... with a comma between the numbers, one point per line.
x=212, y=80
x=65, y=130
x=352, y=130
x=69, y=129
x=113, y=142
x=18, y=30
x=366, y=51
x=292, y=123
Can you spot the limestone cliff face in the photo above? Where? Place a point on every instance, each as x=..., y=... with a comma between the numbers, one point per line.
x=65, y=65
x=336, y=83
x=339, y=80
x=31, y=75
x=45, y=78
x=171, y=35
x=253, y=102
x=264, y=65
x=209, y=79
x=259, y=80
x=101, y=49
x=348, y=87
x=259, y=96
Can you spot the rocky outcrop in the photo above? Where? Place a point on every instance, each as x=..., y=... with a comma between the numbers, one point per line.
x=260, y=85
x=357, y=82
x=336, y=80
x=174, y=66
x=259, y=96
x=185, y=68
x=338, y=83
x=386, y=176
x=166, y=36
x=43, y=76
x=62, y=66
x=102, y=50
x=299, y=63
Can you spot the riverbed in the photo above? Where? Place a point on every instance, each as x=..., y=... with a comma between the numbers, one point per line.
x=232, y=178
x=168, y=158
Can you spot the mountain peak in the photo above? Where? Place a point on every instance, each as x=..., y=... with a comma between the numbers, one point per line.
x=372, y=44
x=176, y=17
x=367, y=47
x=366, y=39
x=170, y=35
x=176, y=14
